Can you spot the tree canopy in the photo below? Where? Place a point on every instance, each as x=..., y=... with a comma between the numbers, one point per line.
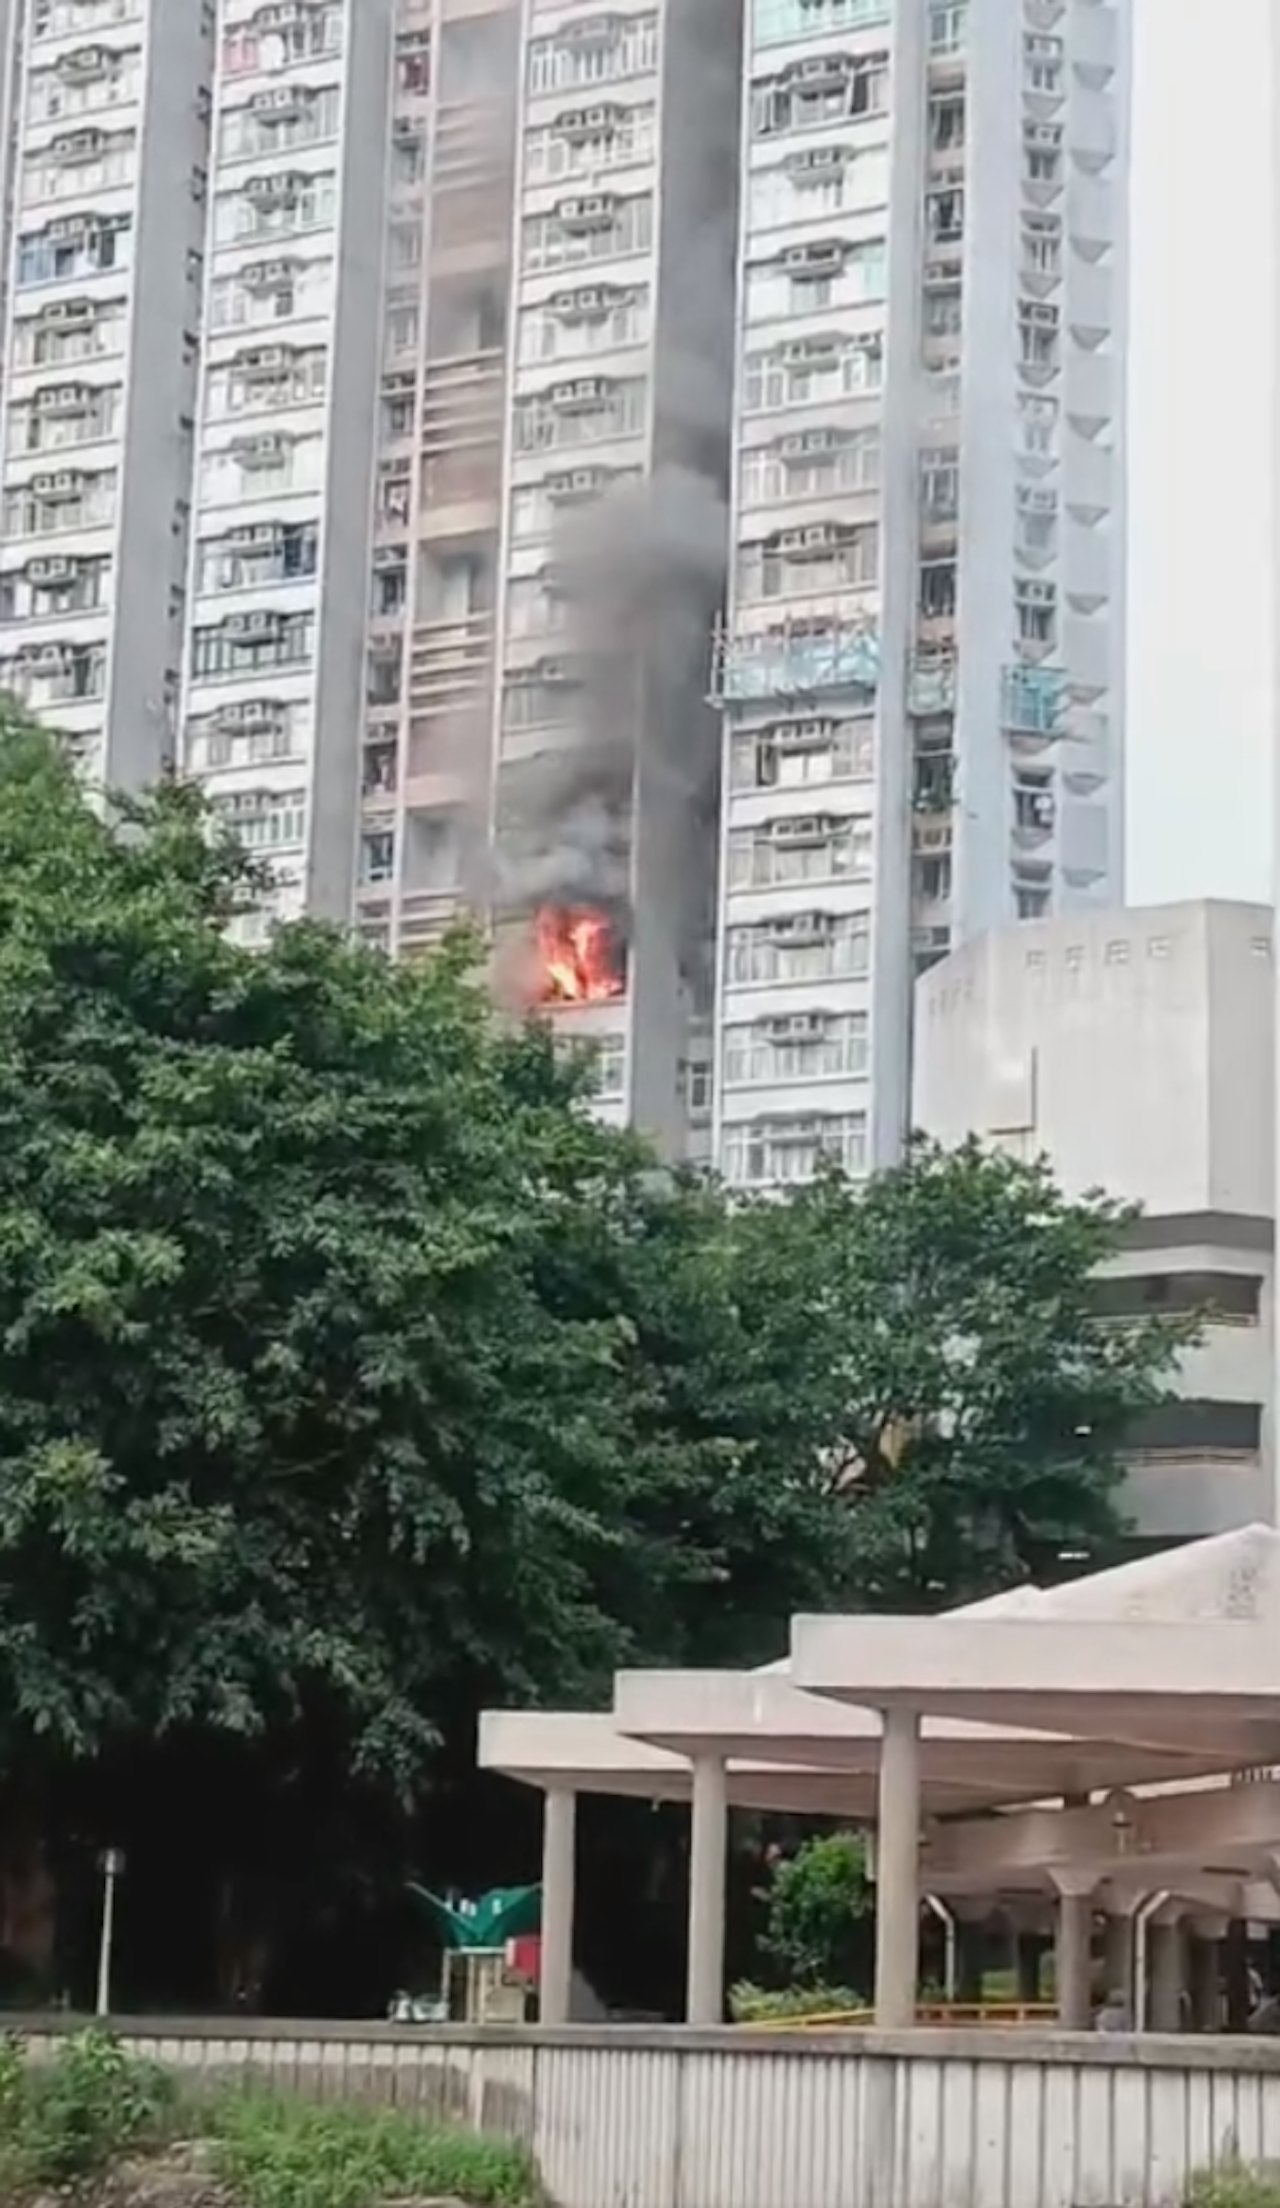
x=351, y=1374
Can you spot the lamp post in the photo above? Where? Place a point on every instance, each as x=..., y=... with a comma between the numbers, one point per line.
x=111, y=1864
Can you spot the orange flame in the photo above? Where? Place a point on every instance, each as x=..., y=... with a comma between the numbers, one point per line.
x=577, y=956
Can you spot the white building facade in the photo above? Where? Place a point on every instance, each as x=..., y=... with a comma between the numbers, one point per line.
x=1133, y=1049
x=922, y=673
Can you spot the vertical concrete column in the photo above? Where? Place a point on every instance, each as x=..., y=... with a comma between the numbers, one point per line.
x=708, y=1848
x=898, y=1871
x=1119, y=1960
x=1165, y=1951
x=555, y=1970
x=1206, y=1973
x=1073, y=1958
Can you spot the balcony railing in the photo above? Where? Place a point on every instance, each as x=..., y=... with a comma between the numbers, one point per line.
x=450, y=661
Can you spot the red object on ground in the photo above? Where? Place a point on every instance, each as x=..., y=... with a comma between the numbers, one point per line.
x=524, y=1956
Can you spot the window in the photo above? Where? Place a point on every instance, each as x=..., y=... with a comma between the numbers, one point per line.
x=1042, y=244
x=826, y=180
x=105, y=78
x=599, y=320
x=1038, y=334
x=1043, y=64
x=264, y=552
x=413, y=64
x=938, y=590
x=819, y=463
x=534, y=608
x=1033, y=806
x=948, y=22
x=939, y=484
x=78, y=329
x=804, y=1046
x=800, y=754
x=808, y=279
x=588, y=412
x=280, y=37
x=773, y=1153
x=572, y=146
x=808, y=946
x=799, y=562
x=260, y=464
x=263, y=126
x=1031, y=904
x=264, y=378
x=811, y=372
x=79, y=246
x=780, y=853
x=265, y=820
x=280, y=204
x=70, y=18
x=943, y=310
x=60, y=415
x=944, y=215
x=245, y=643
x=1042, y=153
x=605, y=1058
x=777, y=20
x=848, y=88
x=267, y=293
x=53, y=503
x=252, y=732
x=594, y=50
x=1035, y=607
x=535, y=698
x=1038, y=425
x=47, y=675
x=81, y=161
x=48, y=588
x=377, y=855
x=946, y=122
x=570, y=236
x=1037, y=521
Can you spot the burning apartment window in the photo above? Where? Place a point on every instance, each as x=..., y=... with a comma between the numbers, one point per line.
x=580, y=959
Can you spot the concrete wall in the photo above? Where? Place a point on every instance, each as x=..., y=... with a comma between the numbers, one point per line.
x=723, y=2119
x=1134, y=1049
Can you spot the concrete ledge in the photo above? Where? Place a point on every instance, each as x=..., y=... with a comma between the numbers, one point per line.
x=1079, y=2050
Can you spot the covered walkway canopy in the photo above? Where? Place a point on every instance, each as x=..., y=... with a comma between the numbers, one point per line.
x=1083, y=1743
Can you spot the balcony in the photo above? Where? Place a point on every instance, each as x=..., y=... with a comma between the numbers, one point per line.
x=450, y=662
x=462, y=402
x=1033, y=700
x=931, y=684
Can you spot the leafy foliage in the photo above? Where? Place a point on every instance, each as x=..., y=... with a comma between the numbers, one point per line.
x=1236, y=2185
x=275, y=2153
x=69, y=2119
x=751, y=2004
x=817, y=1899
x=352, y=1377
x=349, y=1374
x=934, y=1341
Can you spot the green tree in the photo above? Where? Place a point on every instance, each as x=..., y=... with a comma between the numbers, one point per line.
x=344, y=1360
x=934, y=1340
x=818, y=1899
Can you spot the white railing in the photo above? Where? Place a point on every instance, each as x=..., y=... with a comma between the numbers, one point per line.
x=680, y=2119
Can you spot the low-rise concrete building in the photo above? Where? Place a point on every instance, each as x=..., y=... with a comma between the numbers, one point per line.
x=1135, y=1050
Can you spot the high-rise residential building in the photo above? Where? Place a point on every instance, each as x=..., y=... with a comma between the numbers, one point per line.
x=650, y=471
x=106, y=120
x=287, y=430
x=923, y=663
x=615, y=500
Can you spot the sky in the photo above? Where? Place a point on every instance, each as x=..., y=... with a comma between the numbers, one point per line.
x=1203, y=592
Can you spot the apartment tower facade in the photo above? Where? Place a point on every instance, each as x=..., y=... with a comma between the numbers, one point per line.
x=647, y=471
x=923, y=666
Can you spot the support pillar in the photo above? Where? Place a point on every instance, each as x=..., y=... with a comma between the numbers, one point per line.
x=1206, y=1973
x=1027, y=1976
x=1235, y=1958
x=898, y=1871
x=1074, y=1957
x=555, y=1969
x=1119, y=1960
x=708, y=1850
x=1166, y=1950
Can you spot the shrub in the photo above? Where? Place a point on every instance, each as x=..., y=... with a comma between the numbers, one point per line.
x=68, y=2119
x=275, y=2153
x=1236, y=2185
x=750, y=2004
x=818, y=1901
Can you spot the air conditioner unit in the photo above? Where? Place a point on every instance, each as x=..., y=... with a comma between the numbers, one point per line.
x=797, y=1027
x=584, y=393
x=814, y=260
x=86, y=63
x=809, y=829
x=265, y=360
x=76, y=143
x=802, y=442
x=50, y=570
x=818, y=71
x=251, y=624
x=796, y=736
